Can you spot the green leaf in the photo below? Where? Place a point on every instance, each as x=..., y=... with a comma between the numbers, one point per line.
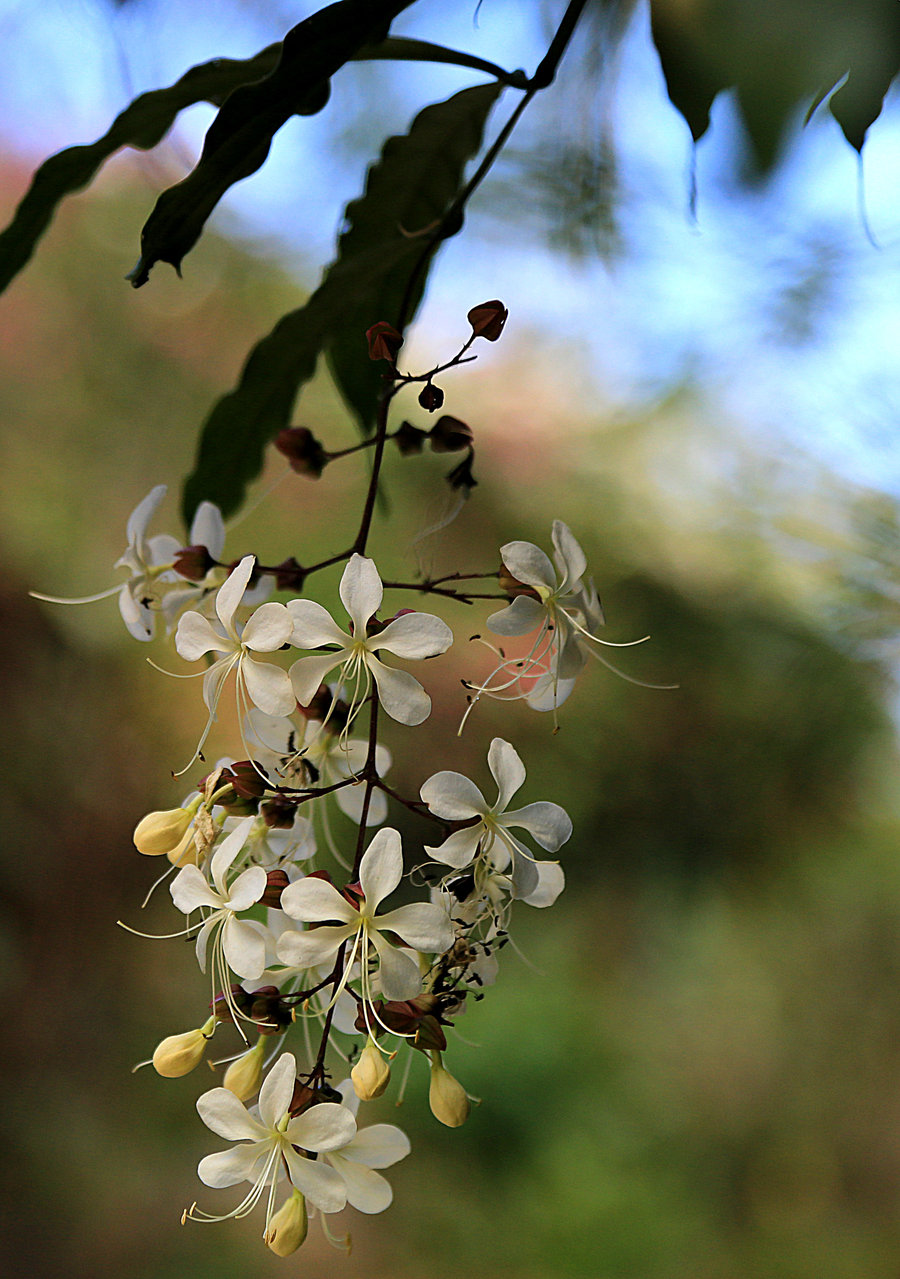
x=412, y=187
x=399, y=219
x=238, y=140
x=143, y=124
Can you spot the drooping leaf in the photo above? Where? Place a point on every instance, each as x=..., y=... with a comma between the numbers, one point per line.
x=691, y=81
x=238, y=140
x=143, y=124
x=873, y=65
x=376, y=265
x=407, y=194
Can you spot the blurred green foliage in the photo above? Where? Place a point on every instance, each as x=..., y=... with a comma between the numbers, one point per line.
x=691, y=1071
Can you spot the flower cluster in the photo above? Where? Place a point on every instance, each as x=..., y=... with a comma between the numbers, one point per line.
x=323, y=952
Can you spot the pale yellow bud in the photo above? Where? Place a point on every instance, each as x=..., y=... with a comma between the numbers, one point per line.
x=446, y=1095
x=162, y=832
x=242, y=1076
x=179, y=1054
x=371, y=1074
x=287, y=1229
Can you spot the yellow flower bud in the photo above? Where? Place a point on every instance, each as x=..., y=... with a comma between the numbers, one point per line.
x=161, y=832
x=242, y=1076
x=179, y=1054
x=371, y=1074
x=287, y=1229
x=446, y=1095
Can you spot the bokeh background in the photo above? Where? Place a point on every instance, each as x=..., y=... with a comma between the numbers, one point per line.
x=691, y=1069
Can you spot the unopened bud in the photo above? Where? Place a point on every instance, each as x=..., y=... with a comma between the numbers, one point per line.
x=384, y=341
x=302, y=450
x=290, y=575
x=193, y=562
x=431, y=397
x=162, y=832
x=276, y=882
x=449, y=435
x=243, y=1076
x=287, y=1229
x=409, y=439
x=461, y=476
x=488, y=319
x=371, y=1074
x=446, y=1095
x=179, y=1054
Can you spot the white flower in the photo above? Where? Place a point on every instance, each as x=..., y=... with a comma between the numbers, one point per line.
x=489, y=841
x=563, y=607
x=378, y=1146
x=412, y=635
x=239, y=943
x=423, y=925
x=269, y=1145
x=266, y=631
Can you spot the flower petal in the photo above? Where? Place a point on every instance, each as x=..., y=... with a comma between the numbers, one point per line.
x=361, y=592
x=529, y=564
x=521, y=617
x=328, y=1126
x=398, y=975
x=507, y=770
x=190, y=891
x=208, y=529
x=227, y=851
x=460, y=848
x=231, y=592
x=309, y=949
x=413, y=635
x=268, y=686
x=454, y=797
x=381, y=868
x=307, y=673
x=378, y=1146
x=244, y=943
x=229, y=1167
x=423, y=925
x=546, y=822
x=140, y=621
x=315, y=901
x=551, y=882
x=247, y=888
x=221, y=1111
x=314, y=626
x=268, y=629
x=570, y=558
x=367, y=1191
x=196, y=635
x=321, y=1185
x=277, y=1090
x=401, y=695
x=142, y=514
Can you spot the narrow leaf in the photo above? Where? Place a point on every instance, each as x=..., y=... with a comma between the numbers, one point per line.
x=143, y=124
x=238, y=140
x=376, y=264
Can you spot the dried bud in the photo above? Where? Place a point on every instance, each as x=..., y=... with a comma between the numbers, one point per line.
x=488, y=319
x=461, y=476
x=243, y=1076
x=193, y=562
x=276, y=882
x=278, y=813
x=304, y=452
x=446, y=1095
x=179, y=1054
x=288, y=1227
x=449, y=435
x=289, y=576
x=431, y=397
x=409, y=438
x=246, y=779
x=162, y=832
x=264, y=1006
x=371, y=1074
x=384, y=341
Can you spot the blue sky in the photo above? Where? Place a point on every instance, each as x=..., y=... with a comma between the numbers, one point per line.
x=706, y=297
